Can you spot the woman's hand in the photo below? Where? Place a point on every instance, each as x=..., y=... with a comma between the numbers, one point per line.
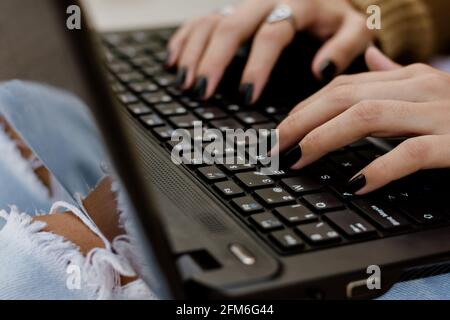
x=204, y=47
x=392, y=101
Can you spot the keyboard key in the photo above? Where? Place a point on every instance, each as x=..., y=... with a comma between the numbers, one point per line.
x=232, y=108
x=156, y=97
x=163, y=133
x=381, y=214
x=139, y=109
x=359, y=144
x=347, y=163
x=286, y=240
x=161, y=56
x=296, y=214
x=325, y=174
x=143, y=62
x=120, y=67
x=266, y=126
x=229, y=189
x=318, y=233
x=144, y=86
x=130, y=77
x=170, y=109
x=234, y=168
x=422, y=213
x=254, y=179
x=152, y=120
x=188, y=102
x=323, y=201
x=274, y=196
x=193, y=159
x=183, y=145
x=266, y=222
x=302, y=184
x=210, y=113
x=370, y=154
x=212, y=173
x=128, y=98
x=184, y=122
x=247, y=205
x=165, y=80
x=152, y=70
x=350, y=223
x=226, y=124
x=251, y=118
x=117, y=87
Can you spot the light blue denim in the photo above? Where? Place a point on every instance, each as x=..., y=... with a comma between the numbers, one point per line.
x=59, y=130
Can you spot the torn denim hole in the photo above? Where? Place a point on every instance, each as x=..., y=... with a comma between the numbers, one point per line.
x=20, y=167
x=100, y=269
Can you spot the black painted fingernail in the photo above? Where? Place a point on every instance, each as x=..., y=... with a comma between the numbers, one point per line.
x=167, y=62
x=328, y=70
x=200, y=87
x=291, y=157
x=356, y=184
x=181, y=77
x=246, y=91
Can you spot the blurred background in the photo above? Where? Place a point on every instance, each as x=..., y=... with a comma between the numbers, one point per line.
x=110, y=15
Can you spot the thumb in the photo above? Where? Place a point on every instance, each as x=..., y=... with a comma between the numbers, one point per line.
x=378, y=61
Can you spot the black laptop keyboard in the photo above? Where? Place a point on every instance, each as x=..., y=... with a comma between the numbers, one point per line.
x=294, y=212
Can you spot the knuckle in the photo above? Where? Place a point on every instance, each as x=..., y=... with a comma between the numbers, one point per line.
x=290, y=123
x=342, y=94
x=368, y=112
x=313, y=140
x=341, y=80
x=420, y=68
x=209, y=19
x=417, y=149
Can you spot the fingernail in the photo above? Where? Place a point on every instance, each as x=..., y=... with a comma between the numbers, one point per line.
x=356, y=184
x=246, y=91
x=288, y=159
x=200, y=87
x=168, y=61
x=181, y=77
x=328, y=70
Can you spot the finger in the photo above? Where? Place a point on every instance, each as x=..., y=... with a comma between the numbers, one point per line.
x=194, y=48
x=362, y=78
x=378, y=118
x=267, y=47
x=425, y=152
x=229, y=34
x=176, y=43
x=337, y=53
x=377, y=61
x=339, y=99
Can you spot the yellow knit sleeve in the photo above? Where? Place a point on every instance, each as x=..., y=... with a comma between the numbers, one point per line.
x=407, y=29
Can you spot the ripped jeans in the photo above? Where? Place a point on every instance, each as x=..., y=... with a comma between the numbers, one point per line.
x=39, y=265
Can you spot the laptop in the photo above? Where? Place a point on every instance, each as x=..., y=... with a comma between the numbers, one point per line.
x=224, y=231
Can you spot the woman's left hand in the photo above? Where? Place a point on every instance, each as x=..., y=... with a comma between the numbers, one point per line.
x=390, y=101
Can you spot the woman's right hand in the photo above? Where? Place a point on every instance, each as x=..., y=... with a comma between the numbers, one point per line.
x=203, y=47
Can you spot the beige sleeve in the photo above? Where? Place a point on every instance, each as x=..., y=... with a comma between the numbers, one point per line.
x=408, y=30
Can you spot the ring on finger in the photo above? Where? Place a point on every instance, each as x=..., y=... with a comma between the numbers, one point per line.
x=282, y=12
x=226, y=11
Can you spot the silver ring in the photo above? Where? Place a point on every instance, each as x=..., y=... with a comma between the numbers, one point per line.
x=226, y=11
x=282, y=12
